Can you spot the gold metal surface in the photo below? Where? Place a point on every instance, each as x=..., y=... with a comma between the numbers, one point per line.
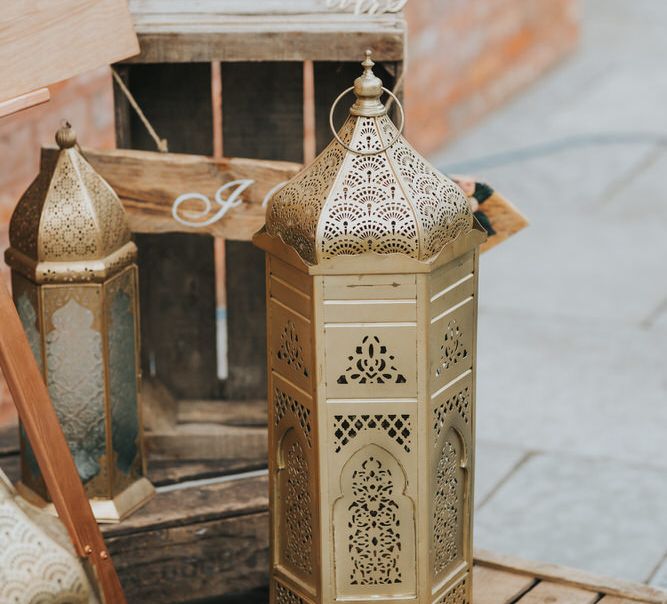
x=369, y=190
x=372, y=269
x=74, y=283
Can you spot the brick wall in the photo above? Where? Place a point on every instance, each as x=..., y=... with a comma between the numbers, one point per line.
x=466, y=57
x=86, y=101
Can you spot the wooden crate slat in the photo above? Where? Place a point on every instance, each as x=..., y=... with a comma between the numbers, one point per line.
x=547, y=592
x=491, y=586
x=194, y=561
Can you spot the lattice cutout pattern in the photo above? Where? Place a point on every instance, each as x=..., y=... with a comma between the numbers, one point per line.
x=390, y=202
x=457, y=595
x=452, y=350
x=374, y=541
x=284, y=403
x=371, y=363
x=459, y=402
x=298, y=547
x=286, y=596
x=291, y=351
x=446, y=509
x=397, y=427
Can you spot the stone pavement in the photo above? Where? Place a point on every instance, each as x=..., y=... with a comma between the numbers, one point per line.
x=572, y=374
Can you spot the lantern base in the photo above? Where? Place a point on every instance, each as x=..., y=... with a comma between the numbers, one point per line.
x=106, y=511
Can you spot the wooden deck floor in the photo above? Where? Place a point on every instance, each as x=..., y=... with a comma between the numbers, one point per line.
x=205, y=536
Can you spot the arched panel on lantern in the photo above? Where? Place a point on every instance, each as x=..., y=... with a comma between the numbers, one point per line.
x=295, y=519
x=450, y=488
x=374, y=528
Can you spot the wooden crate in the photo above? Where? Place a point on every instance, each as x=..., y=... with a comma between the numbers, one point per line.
x=250, y=82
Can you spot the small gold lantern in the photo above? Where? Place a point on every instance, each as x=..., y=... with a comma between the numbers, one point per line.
x=372, y=260
x=74, y=282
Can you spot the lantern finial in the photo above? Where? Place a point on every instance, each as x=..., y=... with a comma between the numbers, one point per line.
x=66, y=136
x=368, y=89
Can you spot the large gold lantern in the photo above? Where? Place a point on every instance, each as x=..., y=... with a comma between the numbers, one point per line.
x=372, y=260
x=74, y=282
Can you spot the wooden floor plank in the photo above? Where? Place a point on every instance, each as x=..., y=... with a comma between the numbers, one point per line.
x=571, y=576
x=618, y=600
x=547, y=592
x=492, y=586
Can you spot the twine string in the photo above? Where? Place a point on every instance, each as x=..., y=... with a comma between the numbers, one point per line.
x=160, y=143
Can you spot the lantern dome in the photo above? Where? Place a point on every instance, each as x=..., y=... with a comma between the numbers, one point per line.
x=368, y=191
x=69, y=224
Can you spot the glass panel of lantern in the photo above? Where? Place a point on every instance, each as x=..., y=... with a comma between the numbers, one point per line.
x=74, y=282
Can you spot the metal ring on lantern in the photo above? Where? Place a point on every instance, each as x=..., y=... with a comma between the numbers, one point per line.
x=398, y=134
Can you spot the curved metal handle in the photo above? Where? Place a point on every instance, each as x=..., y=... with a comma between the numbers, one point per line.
x=393, y=140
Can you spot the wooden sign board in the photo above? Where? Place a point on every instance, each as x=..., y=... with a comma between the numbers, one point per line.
x=43, y=42
x=172, y=192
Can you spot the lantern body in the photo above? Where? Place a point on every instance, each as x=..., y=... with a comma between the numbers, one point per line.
x=372, y=262
x=74, y=283
x=371, y=425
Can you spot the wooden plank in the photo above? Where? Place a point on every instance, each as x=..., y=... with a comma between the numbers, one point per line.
x=570, y=576
x=616, y=600
x=176, y=272
x=214, y=35
x=148, y=183
x=194, y=561
x=548, y=592
x=38, y=48
x=262, y=119
x=24, y=101
x=239, y=7
x=492, y=586
x=210, y=441
x=205, y=503
x=231, y=413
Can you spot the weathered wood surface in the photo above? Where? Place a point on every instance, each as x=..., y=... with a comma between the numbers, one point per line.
x=148, y=183
x=269, y=30
x=44, y=42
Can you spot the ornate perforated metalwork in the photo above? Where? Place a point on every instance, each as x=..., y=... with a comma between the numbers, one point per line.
x=294, y=210
x=291, y=351
x=75, y=378
x=298, y=546
x=374, y=540
x=397, y=427
x=457, y=595
x=284, y=403
x=69, y=225
x=452, y=349
x=459, y=402
x=123, y=372
x=286, y=596
x=371, y=363
x=446, y=506
x=392, y=201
